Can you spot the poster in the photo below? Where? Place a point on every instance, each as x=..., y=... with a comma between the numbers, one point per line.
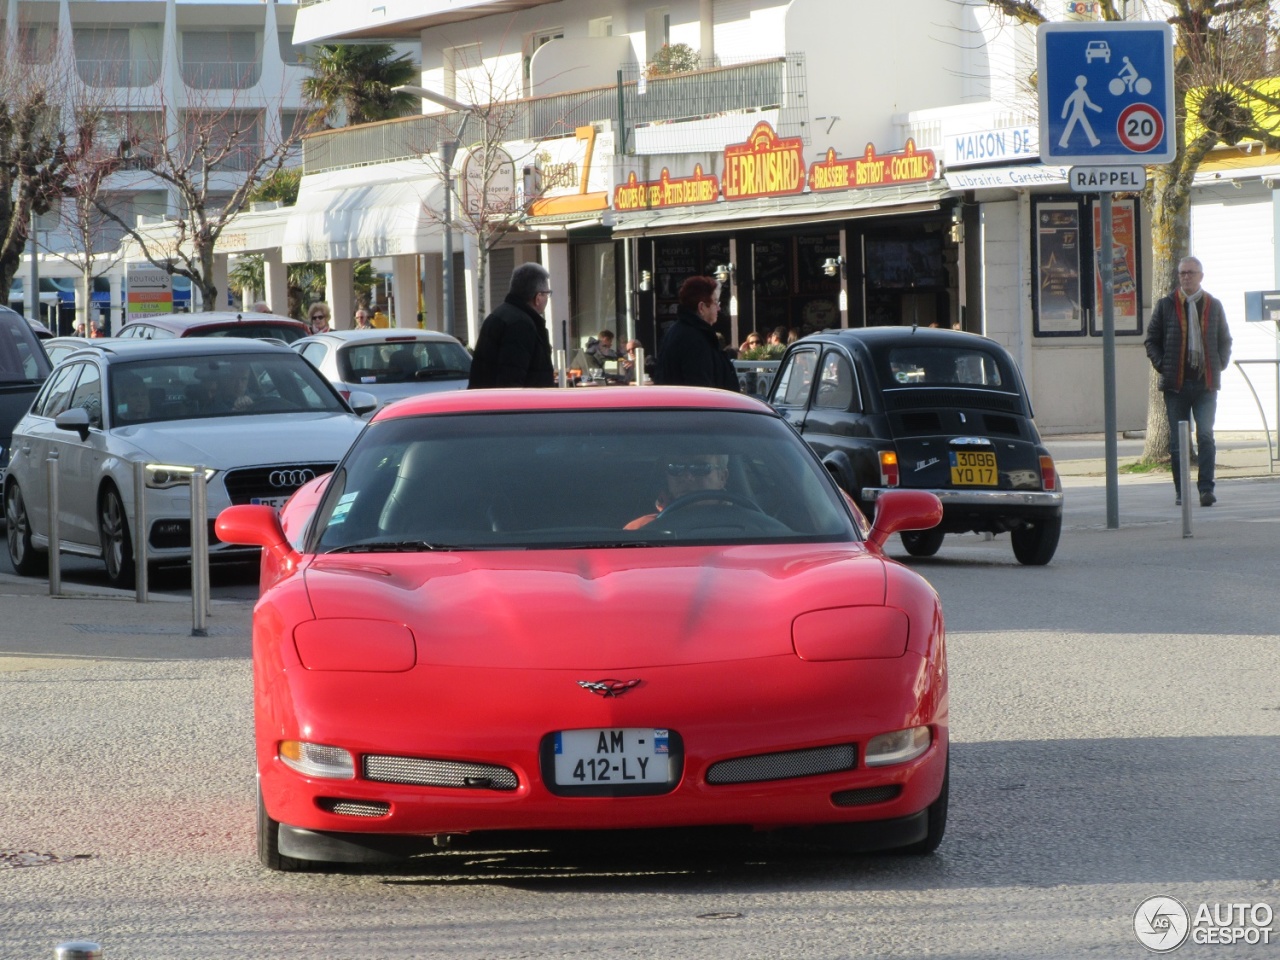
x=1059, y=311
x=1125, y=280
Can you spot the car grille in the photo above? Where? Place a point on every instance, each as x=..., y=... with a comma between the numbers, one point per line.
x=784, y=766
x=439, y=773
x=908, y=399
x=354, y=808
x=866, y=795
x=252, y=483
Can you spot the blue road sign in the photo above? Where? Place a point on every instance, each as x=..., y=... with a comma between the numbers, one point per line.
x=1106, y=92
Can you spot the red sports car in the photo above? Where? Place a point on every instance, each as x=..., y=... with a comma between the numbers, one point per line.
x=585, y=610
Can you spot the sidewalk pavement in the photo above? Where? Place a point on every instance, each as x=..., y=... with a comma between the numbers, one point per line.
x=1250, y=459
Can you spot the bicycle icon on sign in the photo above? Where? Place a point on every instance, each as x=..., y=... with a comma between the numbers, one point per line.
x=1128, y=79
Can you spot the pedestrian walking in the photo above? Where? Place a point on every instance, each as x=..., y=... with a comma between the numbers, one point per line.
x=513, y=349
x=690, y=355
x=1189, y=345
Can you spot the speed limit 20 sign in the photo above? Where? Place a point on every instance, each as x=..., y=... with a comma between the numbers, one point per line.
x=1106, y=92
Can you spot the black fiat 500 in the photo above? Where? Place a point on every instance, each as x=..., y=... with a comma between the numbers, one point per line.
x=937, y=410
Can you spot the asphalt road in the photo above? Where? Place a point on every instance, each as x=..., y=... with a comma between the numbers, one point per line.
x=1116, y=735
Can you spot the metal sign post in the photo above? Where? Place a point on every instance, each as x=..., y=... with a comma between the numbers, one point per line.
x=1106, y=102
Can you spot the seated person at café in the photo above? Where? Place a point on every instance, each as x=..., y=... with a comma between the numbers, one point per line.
x=602, y=348
x=687, y=475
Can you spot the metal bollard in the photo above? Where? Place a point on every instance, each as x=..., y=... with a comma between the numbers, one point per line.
x=55, y=533
x=561, y=361
x=1184, y=470
x=639, y=366
x=140, y=531
x=77, y=950
x=199, y=554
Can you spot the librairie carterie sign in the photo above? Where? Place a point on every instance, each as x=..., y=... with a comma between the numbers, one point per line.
x=767, y=165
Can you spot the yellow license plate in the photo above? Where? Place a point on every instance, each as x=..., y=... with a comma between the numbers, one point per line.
x=971, y=468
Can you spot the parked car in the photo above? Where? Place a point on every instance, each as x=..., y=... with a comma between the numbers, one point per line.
x=257, y=418
x=59, y=347
x=391, y=363
x=216, y=323
x=481, y=622
x=927, y=409
x=23, y=368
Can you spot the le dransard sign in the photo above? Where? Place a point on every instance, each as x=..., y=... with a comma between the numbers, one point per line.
x=767, y=165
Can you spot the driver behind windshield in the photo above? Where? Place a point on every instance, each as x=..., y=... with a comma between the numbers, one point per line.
x=687, y=475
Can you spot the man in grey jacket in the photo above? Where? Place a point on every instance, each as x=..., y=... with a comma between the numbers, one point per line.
x=1189, y=345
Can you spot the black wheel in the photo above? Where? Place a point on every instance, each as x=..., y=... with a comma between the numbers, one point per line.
x=922, y=543
x=27, y=562
x=117, y=545
x=269, y=843
x=937, y=819
x=1035, y=543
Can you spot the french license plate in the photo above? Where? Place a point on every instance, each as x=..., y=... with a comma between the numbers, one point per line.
x=587, y=758
x=276, y=502
x=973, y=468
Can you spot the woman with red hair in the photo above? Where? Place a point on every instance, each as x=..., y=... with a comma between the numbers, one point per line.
x=689, y=354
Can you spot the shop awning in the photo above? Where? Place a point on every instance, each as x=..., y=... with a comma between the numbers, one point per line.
x=343, y=216
x=784, y=211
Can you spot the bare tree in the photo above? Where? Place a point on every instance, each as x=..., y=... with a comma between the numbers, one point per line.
x=1221, y=54
x=33, y=149
x=211, y=159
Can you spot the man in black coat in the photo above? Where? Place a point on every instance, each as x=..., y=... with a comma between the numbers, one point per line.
x=513, y=349
x=1189, y=345
x=690, y=355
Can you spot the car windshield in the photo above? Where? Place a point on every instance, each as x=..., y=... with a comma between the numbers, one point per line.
x=581, y=479
x=399, y=361
x=252, y=330
x=933, y=366
x=240, y=385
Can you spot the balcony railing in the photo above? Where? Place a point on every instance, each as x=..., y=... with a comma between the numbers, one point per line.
x=118, y=73
x=777, y=84
x=220, y=75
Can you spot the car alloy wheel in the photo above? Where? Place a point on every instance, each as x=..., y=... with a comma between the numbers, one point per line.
x=117, y=545
x=26, y=561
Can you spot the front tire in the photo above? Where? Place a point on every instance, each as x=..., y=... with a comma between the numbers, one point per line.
x=269, y=843
x=1035, y=543
x=26, y=561
x=937, y=819
x=117, y=544
x=922, y=543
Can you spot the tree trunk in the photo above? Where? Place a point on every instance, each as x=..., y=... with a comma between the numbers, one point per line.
x=1156, y=447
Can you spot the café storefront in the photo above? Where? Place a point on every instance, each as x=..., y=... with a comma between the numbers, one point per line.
x=803, y=244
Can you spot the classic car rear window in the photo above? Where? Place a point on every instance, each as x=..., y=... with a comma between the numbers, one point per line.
x=913, y=366
x=578, y=479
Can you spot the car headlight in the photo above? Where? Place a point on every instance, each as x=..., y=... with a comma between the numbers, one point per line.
x=162, y=476
x=318, y=760
x=898, y=747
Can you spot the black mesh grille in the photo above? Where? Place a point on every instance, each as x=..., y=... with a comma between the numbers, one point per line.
x=859, y=798
x=439, y=773
x=784, y=766
x=952, y=399
x=244, y=486
x=920, y=423
x=354, y=808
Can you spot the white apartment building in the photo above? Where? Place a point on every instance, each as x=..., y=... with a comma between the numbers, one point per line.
x=150, y=63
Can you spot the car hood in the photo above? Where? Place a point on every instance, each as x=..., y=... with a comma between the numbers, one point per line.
x=228, y=442
x=597, y=609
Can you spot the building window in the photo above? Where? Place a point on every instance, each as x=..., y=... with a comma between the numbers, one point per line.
x=463, y=67
x=532, y=43
x=600, y=27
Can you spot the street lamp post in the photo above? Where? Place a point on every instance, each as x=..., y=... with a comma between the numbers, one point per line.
x=448, y=150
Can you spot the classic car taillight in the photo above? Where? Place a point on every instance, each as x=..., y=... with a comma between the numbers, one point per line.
x=1048, y=473
x=888, y=468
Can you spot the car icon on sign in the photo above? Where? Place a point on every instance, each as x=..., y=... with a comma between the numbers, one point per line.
x=1097, y=49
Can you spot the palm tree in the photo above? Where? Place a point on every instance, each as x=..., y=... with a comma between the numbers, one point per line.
x=356, y=80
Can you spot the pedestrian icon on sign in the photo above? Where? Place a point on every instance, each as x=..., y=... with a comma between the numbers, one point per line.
x=1075, y=106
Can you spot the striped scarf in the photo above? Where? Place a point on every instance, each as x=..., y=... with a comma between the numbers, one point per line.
x=1200, y=335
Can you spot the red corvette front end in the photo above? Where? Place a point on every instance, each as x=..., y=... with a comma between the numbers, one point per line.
x=409, y=694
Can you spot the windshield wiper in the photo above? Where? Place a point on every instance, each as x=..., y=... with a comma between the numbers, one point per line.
x=607, y=544
x=397, y=546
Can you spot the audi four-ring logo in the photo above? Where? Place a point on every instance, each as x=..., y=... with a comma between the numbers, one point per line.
x=290, y=478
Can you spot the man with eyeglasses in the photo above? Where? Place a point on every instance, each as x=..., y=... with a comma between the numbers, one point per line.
x=513, y=349
x=1189, y=345
x=684, y=476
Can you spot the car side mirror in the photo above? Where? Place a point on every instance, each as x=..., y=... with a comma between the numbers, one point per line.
x=76, y=418
x=898, y=510
x=362, y=403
